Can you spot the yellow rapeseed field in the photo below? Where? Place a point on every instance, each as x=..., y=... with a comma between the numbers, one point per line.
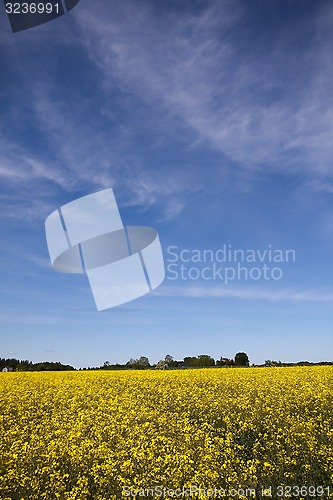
x=205, y=433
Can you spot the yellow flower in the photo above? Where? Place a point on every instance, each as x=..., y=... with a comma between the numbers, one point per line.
x=100, y=434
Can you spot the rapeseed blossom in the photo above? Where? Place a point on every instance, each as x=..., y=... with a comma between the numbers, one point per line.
x=96, y=435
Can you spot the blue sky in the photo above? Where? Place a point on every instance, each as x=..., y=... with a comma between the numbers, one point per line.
x=213, y=123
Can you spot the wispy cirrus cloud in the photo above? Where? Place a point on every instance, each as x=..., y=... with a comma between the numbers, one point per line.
x=245, y=293
x=78, y=154
x=263, y=107
x=177, y=75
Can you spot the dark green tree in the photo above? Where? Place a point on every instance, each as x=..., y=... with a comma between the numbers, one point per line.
x=138, y=364
x=242, y=359
x=205, y=360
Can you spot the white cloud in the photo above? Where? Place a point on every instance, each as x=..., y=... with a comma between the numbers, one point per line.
x=83, y=156
x=312, y=295
x=19, y=166
x=268, y=108
x=263, y=109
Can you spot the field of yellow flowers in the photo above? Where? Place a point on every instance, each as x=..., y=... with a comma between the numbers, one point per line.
x=205, y=433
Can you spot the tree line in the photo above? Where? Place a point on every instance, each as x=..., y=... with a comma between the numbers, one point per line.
x=201, y=361
x=13, y=364
x=241, y=359
x=142, y=363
